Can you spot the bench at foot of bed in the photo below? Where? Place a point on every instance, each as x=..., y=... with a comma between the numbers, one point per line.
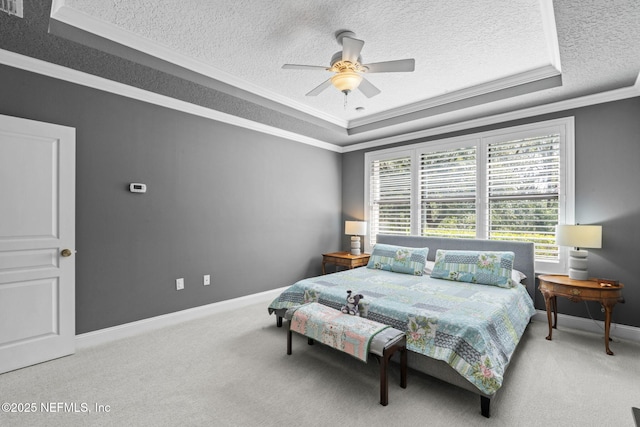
x=485, y=402
x=382, y=344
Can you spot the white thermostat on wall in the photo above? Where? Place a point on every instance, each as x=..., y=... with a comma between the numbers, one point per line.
x=136, y=187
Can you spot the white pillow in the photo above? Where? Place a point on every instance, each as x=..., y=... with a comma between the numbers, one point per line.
x=517, y=276
x=428, y=267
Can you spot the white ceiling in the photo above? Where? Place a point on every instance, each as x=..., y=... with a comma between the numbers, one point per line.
x=472, y=57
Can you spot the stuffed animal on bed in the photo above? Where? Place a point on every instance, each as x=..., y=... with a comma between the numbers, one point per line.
x=352, y=306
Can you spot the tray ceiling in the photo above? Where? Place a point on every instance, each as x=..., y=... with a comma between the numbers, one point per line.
x=472, y=58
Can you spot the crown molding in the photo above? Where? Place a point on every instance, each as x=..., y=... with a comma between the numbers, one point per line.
x=74, y=18
x=551, y=33
x=48, y=69
x=73, y=76
x=583, y=101
x=529, y=76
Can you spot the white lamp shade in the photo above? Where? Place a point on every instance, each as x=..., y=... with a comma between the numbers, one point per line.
x=579, y=236
x=355, y=228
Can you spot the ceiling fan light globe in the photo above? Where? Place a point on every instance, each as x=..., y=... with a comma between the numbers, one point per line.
x=346, y=81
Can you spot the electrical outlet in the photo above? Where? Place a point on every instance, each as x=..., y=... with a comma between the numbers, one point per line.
x=179, y=283
x=206, y=280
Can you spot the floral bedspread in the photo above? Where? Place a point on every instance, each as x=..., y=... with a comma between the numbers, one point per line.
x=474, y=328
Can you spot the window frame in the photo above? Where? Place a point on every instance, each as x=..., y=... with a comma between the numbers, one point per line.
x=388, y=155
x=565, y=127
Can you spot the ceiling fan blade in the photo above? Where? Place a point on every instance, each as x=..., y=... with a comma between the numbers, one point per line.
x=303, y=67
x=320, y=88
x=368, y=89
x=351, y=49
x=401, y=65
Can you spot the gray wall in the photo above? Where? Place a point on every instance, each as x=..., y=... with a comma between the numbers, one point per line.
x=607, y=192
x=206, y=213
x=254, y=211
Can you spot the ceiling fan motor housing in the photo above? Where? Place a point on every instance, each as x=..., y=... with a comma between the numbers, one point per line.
x=338, y=65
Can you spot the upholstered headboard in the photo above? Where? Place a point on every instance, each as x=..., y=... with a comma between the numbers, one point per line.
x=524, y=251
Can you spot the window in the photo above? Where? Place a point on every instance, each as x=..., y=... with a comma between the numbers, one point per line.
x=510, y=184
x=390, y=192
x=448, y=192
x=523, y=188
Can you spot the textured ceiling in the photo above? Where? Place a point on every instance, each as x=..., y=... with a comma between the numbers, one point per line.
x=472, y=58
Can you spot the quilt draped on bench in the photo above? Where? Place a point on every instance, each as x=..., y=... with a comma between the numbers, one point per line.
x=350, y=334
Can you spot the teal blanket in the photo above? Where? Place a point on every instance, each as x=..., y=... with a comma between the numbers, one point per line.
x=474, y=328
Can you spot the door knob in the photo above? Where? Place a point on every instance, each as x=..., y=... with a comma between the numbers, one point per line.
x=66, y=252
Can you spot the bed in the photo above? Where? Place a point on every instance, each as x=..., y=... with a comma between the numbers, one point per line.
x=460, y=329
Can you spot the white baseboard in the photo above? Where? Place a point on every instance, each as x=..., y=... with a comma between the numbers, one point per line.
x=622, y=332
x=106, y=335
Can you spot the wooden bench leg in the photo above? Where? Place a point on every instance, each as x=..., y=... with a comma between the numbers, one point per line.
x=403, y=367
x=384, y=384
x=384, y=375
x=289, y=342
x=279, y=321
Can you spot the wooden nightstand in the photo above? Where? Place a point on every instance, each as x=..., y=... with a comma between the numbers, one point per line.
x=579, y=290
x=344, y=259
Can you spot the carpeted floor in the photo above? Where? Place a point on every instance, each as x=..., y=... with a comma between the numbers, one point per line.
x=231, y=369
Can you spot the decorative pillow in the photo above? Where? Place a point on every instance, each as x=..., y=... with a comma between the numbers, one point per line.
x=485, y=268
x=398, y=259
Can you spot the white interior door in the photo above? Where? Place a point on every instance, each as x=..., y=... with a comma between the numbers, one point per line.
x=37, y=225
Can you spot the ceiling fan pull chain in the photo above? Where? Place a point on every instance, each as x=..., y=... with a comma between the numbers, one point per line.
x=345, y=101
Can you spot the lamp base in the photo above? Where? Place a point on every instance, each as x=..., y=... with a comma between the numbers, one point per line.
x=355, y=245
x=578, y=274
x=578, y=264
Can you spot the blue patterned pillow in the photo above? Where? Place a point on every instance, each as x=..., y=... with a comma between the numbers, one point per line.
x=485, y=268
x=398, y=259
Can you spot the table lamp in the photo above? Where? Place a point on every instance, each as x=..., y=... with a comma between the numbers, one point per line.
x=579, y=236
x=355, y=229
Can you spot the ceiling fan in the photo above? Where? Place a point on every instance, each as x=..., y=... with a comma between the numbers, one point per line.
x=348, y=68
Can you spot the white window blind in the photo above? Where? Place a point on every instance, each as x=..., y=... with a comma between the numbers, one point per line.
x=390, y=196
x=523, y=179
x=507, y=184
x=448, y=193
